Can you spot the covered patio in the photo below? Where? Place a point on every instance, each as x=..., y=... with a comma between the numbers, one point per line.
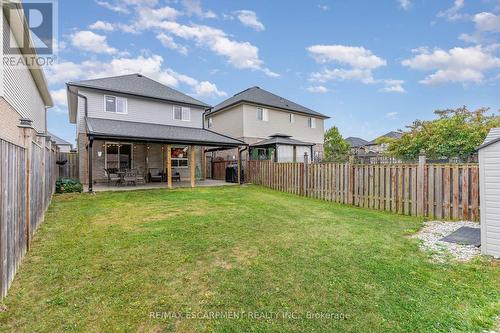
x=161, y=156
x=104, y=187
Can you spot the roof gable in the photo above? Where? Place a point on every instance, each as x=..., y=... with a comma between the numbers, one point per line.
x=493, y=137
x=356, y=142
x=391, y=135
x=263, y=97
x=139, y=85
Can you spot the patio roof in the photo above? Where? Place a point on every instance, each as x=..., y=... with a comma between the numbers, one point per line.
x=281, y=139
x=144, y=132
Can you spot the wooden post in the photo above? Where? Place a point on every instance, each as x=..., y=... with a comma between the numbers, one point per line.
x=90, y=153
x=28, y=151
x=169, y=166
x=350, y=181
x=305, y=176
x=204, y=163
x=239, y=167
x=421, y=185
x=191, y=154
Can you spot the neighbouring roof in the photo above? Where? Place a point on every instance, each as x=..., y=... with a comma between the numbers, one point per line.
x=356, y=142
x=392, y=135
x=59, y=141
x=129, y=130
x=139, y=85
x=493, y=137
x=281, y=139
x=263, y=97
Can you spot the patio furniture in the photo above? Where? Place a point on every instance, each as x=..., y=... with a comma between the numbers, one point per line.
x=112, y=177
x=176, y=177
x=140, y=177
x=130, y=176
x=155, y=175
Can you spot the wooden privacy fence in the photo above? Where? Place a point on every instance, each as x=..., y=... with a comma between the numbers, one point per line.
x=219, y=169
x=442, y=191
x=27, y=182
x=70, y=168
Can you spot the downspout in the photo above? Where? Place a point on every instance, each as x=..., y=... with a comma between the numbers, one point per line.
x=203, y=116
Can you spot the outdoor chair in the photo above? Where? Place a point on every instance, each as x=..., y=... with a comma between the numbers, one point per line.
x=139, y=177
x=130, y=177
x=155, y=175
x=176, y=177
x=112, y=177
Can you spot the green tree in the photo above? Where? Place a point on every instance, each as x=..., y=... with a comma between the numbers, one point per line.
x=336, y=148
x=455, y=133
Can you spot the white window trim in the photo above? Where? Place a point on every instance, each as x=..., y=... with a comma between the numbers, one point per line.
x=125, y=103
x=265, y=114
x=210, y=122
x=311, y=122
x=291, y=118
x=182, y=109
x=181, y=159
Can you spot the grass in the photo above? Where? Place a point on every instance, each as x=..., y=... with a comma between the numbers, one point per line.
x=152, y=260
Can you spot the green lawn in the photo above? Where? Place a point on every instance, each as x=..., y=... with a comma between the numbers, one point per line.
x=105, y=262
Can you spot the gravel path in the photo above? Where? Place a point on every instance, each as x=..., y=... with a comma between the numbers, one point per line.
x=433, y=231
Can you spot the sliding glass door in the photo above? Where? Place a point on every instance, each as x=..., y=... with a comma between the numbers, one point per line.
x=118, y=156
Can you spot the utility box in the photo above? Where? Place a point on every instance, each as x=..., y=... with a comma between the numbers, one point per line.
x=489, y=175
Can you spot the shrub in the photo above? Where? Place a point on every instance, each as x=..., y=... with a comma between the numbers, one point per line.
x=68, y=185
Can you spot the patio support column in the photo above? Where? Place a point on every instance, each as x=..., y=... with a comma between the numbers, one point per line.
x=169, y=166
x=192, y=165
x=239, y=167
x=90, y=152
x=204, y=163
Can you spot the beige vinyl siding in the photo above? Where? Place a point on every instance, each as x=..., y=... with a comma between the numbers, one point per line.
x=489, y=159
x=138, y=110
x=279, y=122
x=229, y=122
x=20, y=91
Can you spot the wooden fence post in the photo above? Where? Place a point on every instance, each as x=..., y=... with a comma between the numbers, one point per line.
x=350, y=181
x=306, y=174
x=421, y=185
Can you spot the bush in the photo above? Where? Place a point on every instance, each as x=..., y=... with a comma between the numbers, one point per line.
x=68, y=185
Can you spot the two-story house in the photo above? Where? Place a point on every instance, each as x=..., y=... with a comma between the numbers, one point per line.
x=270, y=124
x=132, y=122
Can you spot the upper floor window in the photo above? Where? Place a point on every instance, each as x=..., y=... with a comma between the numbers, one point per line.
x=292, y=118
x=115, y=104
x=262, y=114
x=182, y=113
x=210, y=122
x=312, y=122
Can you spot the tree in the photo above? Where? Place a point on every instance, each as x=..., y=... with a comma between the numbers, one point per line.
x=336, y=148
x=456, y=133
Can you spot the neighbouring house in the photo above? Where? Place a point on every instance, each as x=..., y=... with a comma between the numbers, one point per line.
x=270, y=124
x=356, y=144
x=375, y=147
x=64, y=146
x=489, y=174
x=132, y=122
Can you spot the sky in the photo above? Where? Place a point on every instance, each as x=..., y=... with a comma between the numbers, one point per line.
x=371, y=66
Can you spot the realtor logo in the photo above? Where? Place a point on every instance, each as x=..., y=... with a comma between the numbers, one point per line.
x=32, y=32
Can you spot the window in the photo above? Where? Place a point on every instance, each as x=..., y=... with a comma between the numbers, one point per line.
x=115, y=104
x=210, y=122
x=182, y=113
x=292, y=118
x=180, y=157
x=118, y=156
x=262, y=114
x=312, y=122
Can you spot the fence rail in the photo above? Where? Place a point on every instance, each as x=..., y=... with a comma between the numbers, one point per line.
x=441, y=191
x=70, y=168
x=27, y=180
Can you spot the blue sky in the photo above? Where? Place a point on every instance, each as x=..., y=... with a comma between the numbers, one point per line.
x=372, y=66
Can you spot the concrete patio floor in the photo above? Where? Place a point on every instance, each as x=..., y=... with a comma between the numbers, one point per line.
x=182, y=184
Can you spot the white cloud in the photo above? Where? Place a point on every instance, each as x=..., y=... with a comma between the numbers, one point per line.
x=360, y=63
x=456, y=65
x=394, y=86
x=405, y=4
x=193, y=7
x=60, y=100
x=317, y=89
x=355, y=56
x=116, y=8
x=101, y=25
x=391, y=115
x=122, y=6
x=324, y=7
x=487, y=22
x=249, y=19
x=151, y=66
x=453, y=13
x=169, y=42
x=91, y=42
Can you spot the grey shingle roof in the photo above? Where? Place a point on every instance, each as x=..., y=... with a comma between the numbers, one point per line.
x=356, y=142
x=153, y=132
x=281, y=139
x=139, y=85
x=59, y=141
x=262, y=97
x=392, y=135
x=493, y=137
